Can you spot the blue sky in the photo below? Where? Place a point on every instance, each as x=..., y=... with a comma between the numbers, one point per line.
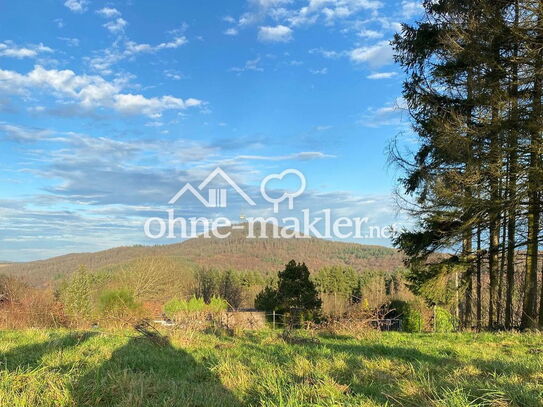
x=108, y=107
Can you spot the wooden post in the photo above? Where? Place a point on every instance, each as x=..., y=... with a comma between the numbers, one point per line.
x=435, y=319
x=273, y=318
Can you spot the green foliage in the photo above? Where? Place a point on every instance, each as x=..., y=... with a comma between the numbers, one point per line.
x=444, y=320
x=410, y=313
x=206, y=280
x=356, y=293
x=295, y=293
x=176, y=307
x=118, y=303
x=434, y=282
x=267, y=299
x=336, y=280
x=365, y=252
x=173, y=306
x=217, y=305
x=196, y=304
x=230, y=289
x=295, y=289
x=413, y=320
x=76, y=294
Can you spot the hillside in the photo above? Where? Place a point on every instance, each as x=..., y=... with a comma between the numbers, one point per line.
x=235, y=252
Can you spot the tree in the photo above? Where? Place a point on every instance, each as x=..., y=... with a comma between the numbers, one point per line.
x=206, y=283
x=267, y=300
x=230, y=289
x=474, y=91
x=356, y=293
x=77, y=294
x=295, y=292
x=336, y=281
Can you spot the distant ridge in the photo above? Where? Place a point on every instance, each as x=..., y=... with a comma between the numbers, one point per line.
x=236, y=251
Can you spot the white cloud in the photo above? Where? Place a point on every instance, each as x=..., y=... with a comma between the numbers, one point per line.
x=411, y=8
x=172, y=74
x=10, y=49
x=77, y=6
x=375, y=55
x=330, y=10
x=250, y=65
x=370, y=34
x=269, y=3
x=231, y=31
x=108, y=12
x=326, y=53
x=23, y=134
x=304, y=156
x=116, y=26
x=279, y=33
x=392, y=114
x=90, y=91
x=382, y=75
x=128, y=49
x=153, y=107
x=71, y=42
x=322, y=71
x=175, y=43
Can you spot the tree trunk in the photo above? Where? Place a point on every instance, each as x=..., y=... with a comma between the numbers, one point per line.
x=479, y=282
x=530, y=314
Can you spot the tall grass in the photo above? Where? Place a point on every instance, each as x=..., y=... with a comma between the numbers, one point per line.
x=65, y=368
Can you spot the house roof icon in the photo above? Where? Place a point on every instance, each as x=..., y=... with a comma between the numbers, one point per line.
x=217, y=197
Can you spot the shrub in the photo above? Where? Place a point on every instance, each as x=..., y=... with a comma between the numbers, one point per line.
x=217, y=305
x=176, y=308
x=76, y=295
x=413, y=320
x=410, y=313
x=118, y=303
x=444, y=320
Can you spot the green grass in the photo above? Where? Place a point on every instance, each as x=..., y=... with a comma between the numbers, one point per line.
x=62, y=368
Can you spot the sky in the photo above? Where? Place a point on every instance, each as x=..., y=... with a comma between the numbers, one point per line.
x=107, y=108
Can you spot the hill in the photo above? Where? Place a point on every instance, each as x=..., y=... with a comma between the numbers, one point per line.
x=236, y=252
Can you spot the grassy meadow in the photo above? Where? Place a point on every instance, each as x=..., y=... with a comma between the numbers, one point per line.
x=59, y=368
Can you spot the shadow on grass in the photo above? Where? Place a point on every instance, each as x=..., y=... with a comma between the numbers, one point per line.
x=142, y=373
x=497, y=380
x=28, y=357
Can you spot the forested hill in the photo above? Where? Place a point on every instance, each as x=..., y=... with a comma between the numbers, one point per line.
x=236, y=252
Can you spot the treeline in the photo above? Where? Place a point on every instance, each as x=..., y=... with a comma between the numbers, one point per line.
x=149, y=286
x=474, y=92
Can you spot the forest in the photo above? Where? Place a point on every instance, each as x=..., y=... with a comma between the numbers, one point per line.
x=473, y=88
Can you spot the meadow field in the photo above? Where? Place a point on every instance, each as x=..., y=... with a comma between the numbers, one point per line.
x=61, y=368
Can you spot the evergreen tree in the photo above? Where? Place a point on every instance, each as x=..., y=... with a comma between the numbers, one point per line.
x=474, y=88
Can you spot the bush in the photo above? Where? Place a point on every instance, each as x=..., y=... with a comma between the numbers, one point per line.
x=413, y=320
x=176, y=309
x=410, y=314
x=217, y=305
x=444, y=320
x=119, y=304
